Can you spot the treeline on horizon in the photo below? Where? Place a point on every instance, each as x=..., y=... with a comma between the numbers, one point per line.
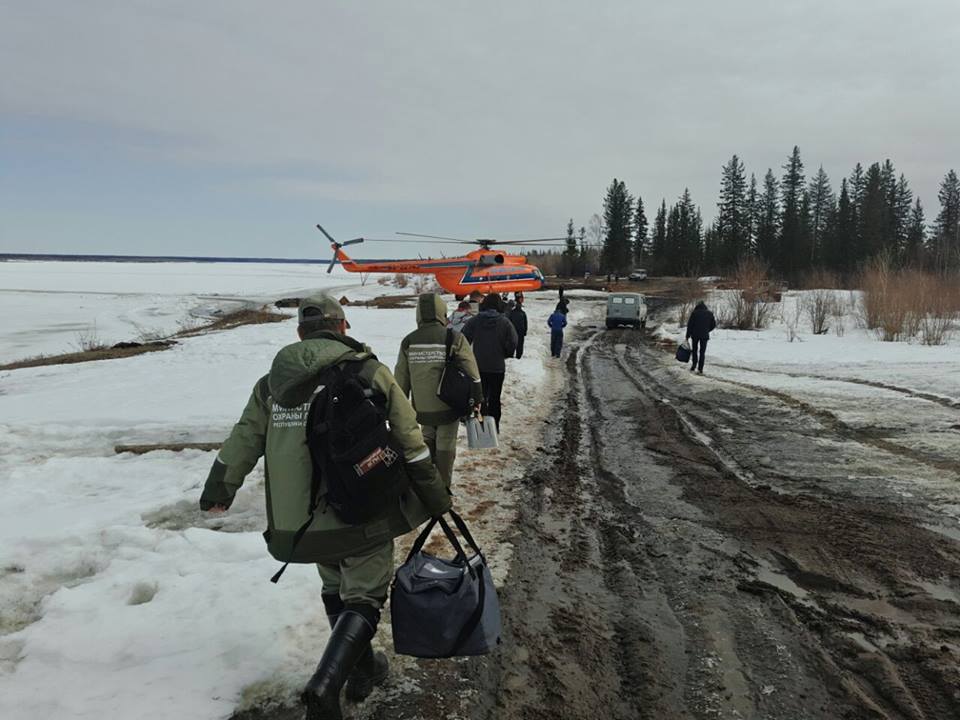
x=791, y=224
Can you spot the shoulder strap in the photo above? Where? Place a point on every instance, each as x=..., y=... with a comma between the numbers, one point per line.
x=449, y=356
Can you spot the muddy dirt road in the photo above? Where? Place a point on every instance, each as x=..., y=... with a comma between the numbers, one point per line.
x=696, y=550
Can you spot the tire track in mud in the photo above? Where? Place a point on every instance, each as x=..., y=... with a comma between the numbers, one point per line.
x=943, y=400
x=911, y=670
x=831, y=422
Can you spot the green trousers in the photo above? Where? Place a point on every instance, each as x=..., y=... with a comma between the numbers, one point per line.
x=442, y=441
x=360, y=578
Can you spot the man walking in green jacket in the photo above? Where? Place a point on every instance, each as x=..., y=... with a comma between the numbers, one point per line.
x=355, y=562
x=418, y=372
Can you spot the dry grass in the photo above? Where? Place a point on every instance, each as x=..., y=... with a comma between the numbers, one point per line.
x=750, y=304
x=904, y=304
x=232, y=320
x=121, y=350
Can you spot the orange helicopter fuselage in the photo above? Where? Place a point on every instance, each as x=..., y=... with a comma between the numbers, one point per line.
x=482, y=271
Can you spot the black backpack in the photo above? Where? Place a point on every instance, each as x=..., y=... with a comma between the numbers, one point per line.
x=456, y=387
x=352, y=449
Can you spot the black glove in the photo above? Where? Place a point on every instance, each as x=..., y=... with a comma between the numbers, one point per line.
x=215, y=490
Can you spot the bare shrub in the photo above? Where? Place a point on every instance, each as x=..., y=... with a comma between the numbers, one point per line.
x=883, y=305
x=401, y=280
x=89, y=341
x=689, y=291
x=791, y=318
x=938, y=309
x=750, y=305
x=383, y=280
x=148, y=335
x=839, y=312
x=819, y=307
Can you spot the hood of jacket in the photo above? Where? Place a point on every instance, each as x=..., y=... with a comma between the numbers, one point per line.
x=431, y=308
x=488, y=318
x=295, y=372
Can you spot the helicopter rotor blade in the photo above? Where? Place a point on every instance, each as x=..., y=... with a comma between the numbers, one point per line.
x=329, y=237
x=436, y=237
x=352, y=242
x=546, y=241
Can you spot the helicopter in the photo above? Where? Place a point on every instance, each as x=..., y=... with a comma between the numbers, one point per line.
x=484, y=270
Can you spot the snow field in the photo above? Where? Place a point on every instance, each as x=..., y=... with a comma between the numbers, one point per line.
x=118, y=597
x=49, y=306
x=857, y=354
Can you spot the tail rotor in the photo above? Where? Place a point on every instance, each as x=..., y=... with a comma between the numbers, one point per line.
x=336, y=246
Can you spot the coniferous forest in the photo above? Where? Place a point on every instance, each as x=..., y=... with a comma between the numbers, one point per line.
x=794, y=222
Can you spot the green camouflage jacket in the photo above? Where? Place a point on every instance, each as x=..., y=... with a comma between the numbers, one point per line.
x=421, y=360
x=273, y=425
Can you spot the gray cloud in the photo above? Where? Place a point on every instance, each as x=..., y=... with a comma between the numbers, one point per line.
x=522, y=111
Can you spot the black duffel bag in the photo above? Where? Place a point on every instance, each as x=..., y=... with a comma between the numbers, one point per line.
x=683, y=352
x=444, y=608
x=456, y=387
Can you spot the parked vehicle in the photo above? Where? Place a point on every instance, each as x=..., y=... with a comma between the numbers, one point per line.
x=637, y=275
x=626, y=309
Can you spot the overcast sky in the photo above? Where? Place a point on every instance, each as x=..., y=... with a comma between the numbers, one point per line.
x=212, y=128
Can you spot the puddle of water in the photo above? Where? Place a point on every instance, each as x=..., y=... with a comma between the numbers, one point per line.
x=951, y=531
x=940, y=591
x=881, y=608
x=781, y=582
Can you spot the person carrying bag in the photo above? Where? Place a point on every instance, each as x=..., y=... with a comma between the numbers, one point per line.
x=437, y=369
x=444, y=608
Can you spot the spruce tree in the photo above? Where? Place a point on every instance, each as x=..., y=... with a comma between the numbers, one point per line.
x=888, y=179
x=856, y=188
x=570, y=252
x=947, y=225
x=822, y=205
x=874, y=225
x=674, y=243
x=733, y=214
x=792, y=250
x=916, y=236
x=581, y=264
x=640, y=248
x=711, y=247
x=900, y=218
x=841, y=239
x=618, y=217
x=768, y=220
x=753, y=207
x=658, y=243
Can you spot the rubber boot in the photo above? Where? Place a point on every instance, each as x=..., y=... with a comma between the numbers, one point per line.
x=350, y=637
x=371, y=669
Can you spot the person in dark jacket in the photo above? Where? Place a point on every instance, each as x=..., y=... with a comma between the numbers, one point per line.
x=557, y=322
x=518, y=317
x=494, y=339
x=699, y=325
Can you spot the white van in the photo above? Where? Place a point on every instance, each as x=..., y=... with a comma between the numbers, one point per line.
x=626, y=309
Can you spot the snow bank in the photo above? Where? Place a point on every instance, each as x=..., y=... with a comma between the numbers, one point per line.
x=118, y=597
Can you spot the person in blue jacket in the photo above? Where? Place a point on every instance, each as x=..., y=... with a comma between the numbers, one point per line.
x=557, y=322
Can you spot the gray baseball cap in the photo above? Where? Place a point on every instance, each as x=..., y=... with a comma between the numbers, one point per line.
x=320, y=306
